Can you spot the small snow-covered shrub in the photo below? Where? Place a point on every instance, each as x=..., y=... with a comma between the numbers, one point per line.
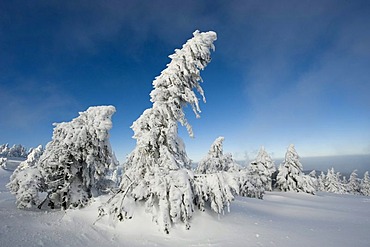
x=26, y=181
x=26, y=186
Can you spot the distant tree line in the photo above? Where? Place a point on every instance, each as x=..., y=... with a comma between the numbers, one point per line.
x=17, y=151
x=334, y=182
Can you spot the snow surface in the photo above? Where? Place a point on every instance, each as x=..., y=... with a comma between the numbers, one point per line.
x=281, y=219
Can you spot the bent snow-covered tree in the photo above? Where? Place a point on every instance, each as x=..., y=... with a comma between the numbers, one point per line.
x=74, y=164
x=157, y=172
x=290, y=176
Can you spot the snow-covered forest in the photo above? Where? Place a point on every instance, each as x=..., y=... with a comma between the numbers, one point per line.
x=75, y=183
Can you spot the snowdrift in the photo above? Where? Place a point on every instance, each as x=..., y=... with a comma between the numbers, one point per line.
x=281, y=219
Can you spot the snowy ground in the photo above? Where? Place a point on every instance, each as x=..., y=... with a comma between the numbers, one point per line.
x=281, y=219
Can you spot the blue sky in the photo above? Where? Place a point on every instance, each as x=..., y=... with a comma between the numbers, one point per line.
x=283, y=71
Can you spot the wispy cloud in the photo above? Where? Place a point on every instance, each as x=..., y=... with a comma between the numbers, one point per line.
x=29, y=103
x=307, y=75
x=303, y=64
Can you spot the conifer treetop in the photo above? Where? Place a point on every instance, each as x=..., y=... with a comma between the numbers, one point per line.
x=263, y=156
x=156, y=130
x=173, y=88
x=96, y=118
x=292, y=158
x=217, y=149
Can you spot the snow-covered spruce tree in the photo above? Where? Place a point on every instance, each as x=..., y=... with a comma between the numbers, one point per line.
x=257, y=177
x=216, y=160
x=251, y=184
x=290, y=175
x=353, y=185
x=3, y=162
x=312, y=174
x=114, y=173
x=31, y=161
x=74, y=164
x=17, y=151
x=157, y=172
x=321, y=182
x=266, y=168
x=315, y=179
x=212, y=174
x=215, y=189
x=365, y=184
x=344, y=184
x=26, y=181
x=4, y=150
x=333, y=183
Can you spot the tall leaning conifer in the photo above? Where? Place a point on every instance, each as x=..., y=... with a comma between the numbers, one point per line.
x=157, y=172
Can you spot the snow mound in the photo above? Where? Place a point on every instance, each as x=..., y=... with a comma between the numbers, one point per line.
x=281, y=219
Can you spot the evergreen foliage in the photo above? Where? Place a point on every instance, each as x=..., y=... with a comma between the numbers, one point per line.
x=365, y=184
x=74, y=164
x=290, y=176
x=15, y=151
x=26, y=180
x=251, y=183
x=220, y=180
x=3, y=161
x=333, y=183
x=257, y=177
x=217, y=190
x=216, y=160
x=321, y=182
x=353, y=185
x=157, y=172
